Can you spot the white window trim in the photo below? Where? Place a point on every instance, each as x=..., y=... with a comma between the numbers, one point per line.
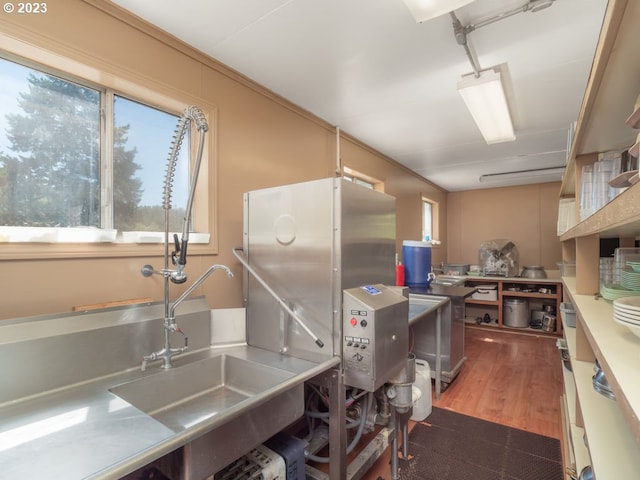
x=21, y=243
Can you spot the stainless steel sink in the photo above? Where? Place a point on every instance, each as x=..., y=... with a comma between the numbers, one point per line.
x=185, y=396
x=449, y=280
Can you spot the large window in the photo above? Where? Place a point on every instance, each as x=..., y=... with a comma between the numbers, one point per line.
x=141, y=143
x=49, y=150
x=79, y=156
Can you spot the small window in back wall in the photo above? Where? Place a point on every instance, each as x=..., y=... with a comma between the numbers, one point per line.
x=428, y=208
x=362, y=179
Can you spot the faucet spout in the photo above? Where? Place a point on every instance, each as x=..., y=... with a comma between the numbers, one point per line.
x=195, y=285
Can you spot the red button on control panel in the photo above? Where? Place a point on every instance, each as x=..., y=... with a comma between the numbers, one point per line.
x=353, y=321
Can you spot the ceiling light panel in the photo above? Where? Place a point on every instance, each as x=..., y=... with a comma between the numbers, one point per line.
x=423, y=10
x=485, y=98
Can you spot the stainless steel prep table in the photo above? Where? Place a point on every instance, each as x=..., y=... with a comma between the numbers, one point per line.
x=420, y=308
x=430, y=342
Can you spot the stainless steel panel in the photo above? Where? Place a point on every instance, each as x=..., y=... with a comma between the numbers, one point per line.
x=451, y=341
x=375, y=335
x=215, y=450
x=368, y=236
x=309, y=241
x=53, y=351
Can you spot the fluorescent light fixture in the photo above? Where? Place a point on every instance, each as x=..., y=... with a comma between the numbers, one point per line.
x=423, y=10
x=485, y=99
x=536, y=173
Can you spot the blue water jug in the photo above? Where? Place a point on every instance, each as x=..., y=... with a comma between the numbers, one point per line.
x=416, y=257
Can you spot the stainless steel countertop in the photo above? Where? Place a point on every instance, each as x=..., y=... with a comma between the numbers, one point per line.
x=86, y=432
x=420, y=306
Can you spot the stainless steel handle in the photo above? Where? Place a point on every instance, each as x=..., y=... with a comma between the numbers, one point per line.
x=284, y=306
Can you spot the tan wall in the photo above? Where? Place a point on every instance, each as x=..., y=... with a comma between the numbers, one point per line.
x=409, y=191
x=261, y=141
x=526, y=215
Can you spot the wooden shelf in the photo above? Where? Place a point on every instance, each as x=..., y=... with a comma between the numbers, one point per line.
x=612, y=427
x=613, y=452
x=531, y=296
x=634, y=150
x=472, y=321
x=618, y=218
x=474, y=301
x=580, y=451
x=502, y=283
x=612, y=88
x=634, y=119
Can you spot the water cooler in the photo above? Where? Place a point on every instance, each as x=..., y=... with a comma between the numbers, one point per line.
x=416, y=257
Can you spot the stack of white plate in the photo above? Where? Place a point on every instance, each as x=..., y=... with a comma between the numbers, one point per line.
x=626, y=311
x=630, y=280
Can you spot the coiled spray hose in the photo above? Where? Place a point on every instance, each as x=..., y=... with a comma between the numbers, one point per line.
x=191, y=114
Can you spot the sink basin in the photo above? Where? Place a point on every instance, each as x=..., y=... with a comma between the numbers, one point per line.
x=449, y=280
x=185, y=396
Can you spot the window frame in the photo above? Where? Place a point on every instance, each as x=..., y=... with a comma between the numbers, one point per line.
x=134, y=87
x=434, y=218
x=362, y=179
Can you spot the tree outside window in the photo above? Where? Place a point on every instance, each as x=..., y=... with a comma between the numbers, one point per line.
x=53, y=157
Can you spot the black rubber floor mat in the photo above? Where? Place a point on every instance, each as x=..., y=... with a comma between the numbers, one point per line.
x=451, y=446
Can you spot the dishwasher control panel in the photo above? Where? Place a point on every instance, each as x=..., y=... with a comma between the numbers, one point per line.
x=375, y=332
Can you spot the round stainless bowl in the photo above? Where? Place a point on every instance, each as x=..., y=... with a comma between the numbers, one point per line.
x=535, y=271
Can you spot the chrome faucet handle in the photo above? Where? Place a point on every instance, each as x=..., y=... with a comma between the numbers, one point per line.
x=148, y=270
x=176, y=255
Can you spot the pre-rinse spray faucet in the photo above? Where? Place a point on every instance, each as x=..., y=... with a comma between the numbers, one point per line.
x=179, y=255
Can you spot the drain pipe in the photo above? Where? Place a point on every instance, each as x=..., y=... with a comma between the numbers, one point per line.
x=399, y=392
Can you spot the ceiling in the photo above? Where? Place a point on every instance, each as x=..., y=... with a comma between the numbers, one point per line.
x=368, y=67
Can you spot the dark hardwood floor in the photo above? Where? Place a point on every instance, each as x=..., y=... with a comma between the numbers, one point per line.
x=509, y=378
